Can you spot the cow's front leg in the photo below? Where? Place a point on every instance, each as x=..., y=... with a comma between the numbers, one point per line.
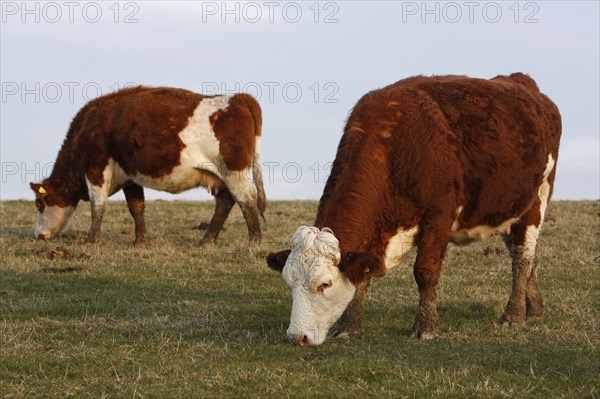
x=98, y=205
x=350, y=325
x=134, y=194
x=432, y=245
x=224, y=203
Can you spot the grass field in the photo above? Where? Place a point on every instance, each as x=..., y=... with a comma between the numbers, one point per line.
x=170, y=319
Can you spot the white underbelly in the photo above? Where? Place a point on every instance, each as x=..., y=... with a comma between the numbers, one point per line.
x=405, y=239
x=462, y=236
x=182, y=178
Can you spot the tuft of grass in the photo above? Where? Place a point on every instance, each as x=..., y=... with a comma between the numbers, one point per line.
x=172, y=319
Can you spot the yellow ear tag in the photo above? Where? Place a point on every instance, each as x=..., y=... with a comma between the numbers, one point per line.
x=42, y=191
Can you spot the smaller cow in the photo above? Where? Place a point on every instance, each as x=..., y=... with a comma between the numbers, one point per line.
x=423, y=162
x=162, y=138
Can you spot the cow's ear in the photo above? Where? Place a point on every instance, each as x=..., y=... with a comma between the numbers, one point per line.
x=38, y=189
x=362, y=266
x=276, y=260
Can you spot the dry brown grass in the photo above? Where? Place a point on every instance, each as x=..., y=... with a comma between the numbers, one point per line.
x=170, y=319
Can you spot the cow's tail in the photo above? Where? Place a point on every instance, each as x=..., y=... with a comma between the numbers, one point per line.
x=261, y=200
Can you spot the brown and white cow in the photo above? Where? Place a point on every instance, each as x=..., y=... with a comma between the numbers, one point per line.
x=162, y=138
x=422, y=162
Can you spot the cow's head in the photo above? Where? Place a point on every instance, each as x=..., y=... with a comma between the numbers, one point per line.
x=322, y=283
x=53, y=211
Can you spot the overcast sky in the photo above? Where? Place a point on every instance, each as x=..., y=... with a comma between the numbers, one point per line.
x=307, y=62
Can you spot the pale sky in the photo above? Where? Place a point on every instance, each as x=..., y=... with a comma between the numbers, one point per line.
x=307, y=62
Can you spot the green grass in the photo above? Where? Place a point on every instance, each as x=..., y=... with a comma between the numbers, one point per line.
x=171, y=319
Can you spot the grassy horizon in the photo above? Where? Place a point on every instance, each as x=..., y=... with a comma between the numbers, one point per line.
x=171, y=319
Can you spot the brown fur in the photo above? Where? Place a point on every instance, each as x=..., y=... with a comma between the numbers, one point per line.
x=139, y=129
x=136, y=126
x=419, y=148
x=413, y=152
x=236, y=127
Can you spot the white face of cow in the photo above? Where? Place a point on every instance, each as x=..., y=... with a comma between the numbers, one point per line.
x=52, y=220
x=320, y=292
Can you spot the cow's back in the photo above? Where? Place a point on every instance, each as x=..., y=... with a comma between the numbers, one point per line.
x=445, y=143
x=144, y=128
x=137, y=127
x=504, y=133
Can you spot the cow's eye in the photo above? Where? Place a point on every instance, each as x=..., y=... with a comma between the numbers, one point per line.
x=324, y=285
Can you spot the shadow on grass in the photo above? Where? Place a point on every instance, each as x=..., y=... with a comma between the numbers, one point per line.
x=138, y=309
x=27, y=233
x=16, y=232
x=453, y=314
x=467, y=310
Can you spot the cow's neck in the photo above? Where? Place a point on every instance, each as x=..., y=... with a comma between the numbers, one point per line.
x=357, y=194
x=354, y=216
x=66, y=176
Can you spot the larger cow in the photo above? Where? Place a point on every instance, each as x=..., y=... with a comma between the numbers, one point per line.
x=162, y=138
x=422, y=162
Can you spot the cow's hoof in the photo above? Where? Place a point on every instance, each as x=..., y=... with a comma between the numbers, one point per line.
x=535, y=309
x=425, y=331
x=424, y=335
x=207, y=241
x=512, y=320
x=535, y=317
x=91, y=240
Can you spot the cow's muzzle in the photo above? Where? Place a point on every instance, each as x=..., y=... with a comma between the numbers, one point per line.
x=300, y=340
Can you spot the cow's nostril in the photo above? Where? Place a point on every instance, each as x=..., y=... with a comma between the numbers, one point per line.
x=300, y=340
x=304, y=341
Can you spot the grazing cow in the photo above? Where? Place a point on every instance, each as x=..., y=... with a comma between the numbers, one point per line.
x=162, y=138
x=422, y=162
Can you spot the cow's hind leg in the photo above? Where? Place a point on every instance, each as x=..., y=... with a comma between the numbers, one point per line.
x=134, y=194
x=525, y=300
x=224, y=203
x=432, y=242
x=242, y=190
x=250, y=212
x=350, y=325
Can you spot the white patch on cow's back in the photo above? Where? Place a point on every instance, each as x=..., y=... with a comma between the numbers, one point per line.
x=398, y=245
x=201, y=144
x=201, y=152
